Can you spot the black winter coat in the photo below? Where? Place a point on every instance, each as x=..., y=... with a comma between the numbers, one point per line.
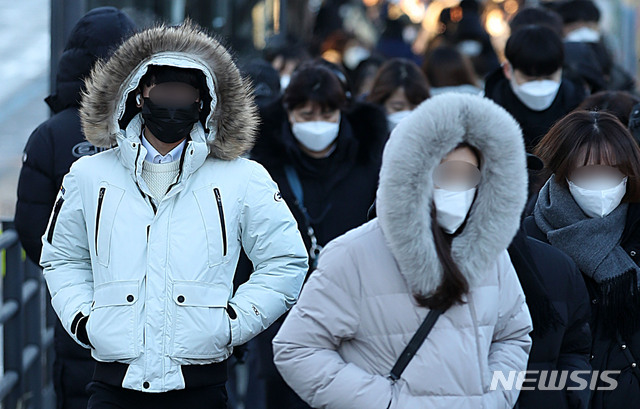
x=608, y=352
x=58, y=142
x=535, y=124
x=565, y=346
x=338, y=192
x=48, y=155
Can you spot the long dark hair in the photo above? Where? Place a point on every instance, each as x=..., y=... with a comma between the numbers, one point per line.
x=314, y=81
x=447, y=67
x=399, y=73
x=454, y=284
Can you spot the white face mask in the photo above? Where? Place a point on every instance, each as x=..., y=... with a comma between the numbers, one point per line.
x=354, y=55
x=284, y=82
x=470, y=48
x=536, y=95
x=596, y=201
x=583, y=35
x=452, y=207
x=394, y=119
x=317, y=135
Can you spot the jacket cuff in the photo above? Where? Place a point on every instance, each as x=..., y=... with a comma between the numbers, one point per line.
x=234, y=326
x=79, y=329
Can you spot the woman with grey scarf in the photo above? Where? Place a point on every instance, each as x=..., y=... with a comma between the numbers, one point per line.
x=589, y=208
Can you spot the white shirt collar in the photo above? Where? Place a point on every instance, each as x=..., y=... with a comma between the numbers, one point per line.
x=154, y=156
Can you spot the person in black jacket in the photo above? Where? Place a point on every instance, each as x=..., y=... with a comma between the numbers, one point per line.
x=589, y=208
x=530, y=85
x=325, y=155
x=48, y=155
x=581, y=19
x=580, y=63
x=559, y=305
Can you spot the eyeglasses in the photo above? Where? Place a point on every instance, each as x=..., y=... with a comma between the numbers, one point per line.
x=173, y=94
x=456, y=176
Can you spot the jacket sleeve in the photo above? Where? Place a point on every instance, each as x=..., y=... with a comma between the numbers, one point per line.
x=37, y=189
x=66, y=260
x=271, y=240
x=576, y=343
x=511, y=342
x=305, y=348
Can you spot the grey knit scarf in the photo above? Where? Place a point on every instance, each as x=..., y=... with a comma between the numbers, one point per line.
x=594, y=245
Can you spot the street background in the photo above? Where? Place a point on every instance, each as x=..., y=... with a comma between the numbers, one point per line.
x=247, y=25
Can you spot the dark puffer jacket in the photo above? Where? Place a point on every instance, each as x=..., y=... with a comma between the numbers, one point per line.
x=610, y=351
x=560, y=309
x=48, y=155
x=338, y=192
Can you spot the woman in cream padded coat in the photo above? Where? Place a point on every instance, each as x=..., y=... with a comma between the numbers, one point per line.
x=374, y=285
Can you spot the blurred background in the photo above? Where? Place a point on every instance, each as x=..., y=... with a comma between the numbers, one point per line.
x=33, y=34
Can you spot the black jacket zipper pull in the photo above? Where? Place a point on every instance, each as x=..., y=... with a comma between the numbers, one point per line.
x=223, y=225
x=54, y=219
x=100, y=200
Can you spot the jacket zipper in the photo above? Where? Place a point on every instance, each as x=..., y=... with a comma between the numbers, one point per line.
x=56, y=211
x=223, y=226
x=100, y=200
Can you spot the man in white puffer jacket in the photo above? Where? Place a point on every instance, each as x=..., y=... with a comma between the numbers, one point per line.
x=143, y=241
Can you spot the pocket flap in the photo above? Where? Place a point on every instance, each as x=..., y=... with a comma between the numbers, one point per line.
x=116, y=293
x=195, y=294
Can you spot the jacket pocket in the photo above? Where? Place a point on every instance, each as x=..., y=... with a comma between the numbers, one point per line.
x=108, y=201
x=54, y=218
x=113, y=322
x=214, y=220
x=201, y=326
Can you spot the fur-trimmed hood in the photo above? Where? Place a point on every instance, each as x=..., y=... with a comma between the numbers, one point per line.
x=405, y=194
x=229, y=116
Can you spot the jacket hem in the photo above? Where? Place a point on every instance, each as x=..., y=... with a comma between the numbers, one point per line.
x=195, y=376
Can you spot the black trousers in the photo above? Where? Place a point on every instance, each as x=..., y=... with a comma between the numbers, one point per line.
x=104, y=396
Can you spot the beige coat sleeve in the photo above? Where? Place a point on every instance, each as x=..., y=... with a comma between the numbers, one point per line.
x=511, y=342
x=305, y=349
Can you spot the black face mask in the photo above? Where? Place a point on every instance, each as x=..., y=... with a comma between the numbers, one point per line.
x=170, y=124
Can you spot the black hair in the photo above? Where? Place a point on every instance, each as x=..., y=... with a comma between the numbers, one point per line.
x=265, y=79
x=445, y=66
x=399, y=73
x=314, y=81
x=537, y=16
x=366, y=70
x=618, y=103
x=286, y=47
x=535, y=50
x=340, y=73
x=574, y=11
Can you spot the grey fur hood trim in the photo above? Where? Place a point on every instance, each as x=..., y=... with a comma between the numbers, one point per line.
x=108, y=103
x=405, y=194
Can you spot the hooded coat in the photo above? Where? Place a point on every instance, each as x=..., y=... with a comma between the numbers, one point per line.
x=48, y=155
x=357, y=312
x=156, y=281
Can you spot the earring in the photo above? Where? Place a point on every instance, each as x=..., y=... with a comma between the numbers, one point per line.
x=139, y=99
x=201, y=105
